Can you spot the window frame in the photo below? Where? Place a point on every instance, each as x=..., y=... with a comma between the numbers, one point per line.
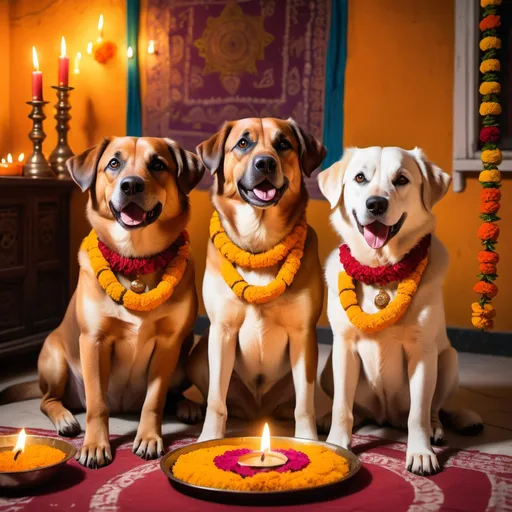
x=466, y=157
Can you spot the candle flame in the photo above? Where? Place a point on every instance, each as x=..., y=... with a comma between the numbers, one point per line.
x=9, y=158
x=62, y=47
x=89, y=47
x=100, y=23
x=151, y=46
x=20, y=443
x=129, y=52
x=35, y=60
x=21, y=157
x=3, y=161
x=265, y=439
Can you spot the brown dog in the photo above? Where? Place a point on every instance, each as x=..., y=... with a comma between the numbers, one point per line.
x=103, y=356
x=264, y=350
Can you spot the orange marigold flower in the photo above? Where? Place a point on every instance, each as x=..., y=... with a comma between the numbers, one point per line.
x=489, y=231
x=491, y=156
x=490, y=108
x=484, y=288
x=489, y=88
x=490, y=207
x=490, y=42
x=490, y=194
x=482, y=323
x=488, y=268
x=487, y=311
x=489, y=22
x=485, y=3
x=489, y=66
x=493, y=176
x=488, y=257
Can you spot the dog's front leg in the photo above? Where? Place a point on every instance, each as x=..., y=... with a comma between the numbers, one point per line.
x=304, y=360
x=222, y=341
x=95, y=356
x=346, y=366
x=422, y=371
x=148, y=442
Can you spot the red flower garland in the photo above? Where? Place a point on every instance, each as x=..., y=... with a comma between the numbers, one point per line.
x=384, y=275
x=133, y=266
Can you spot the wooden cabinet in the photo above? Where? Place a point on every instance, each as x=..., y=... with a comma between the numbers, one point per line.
x=34, y=259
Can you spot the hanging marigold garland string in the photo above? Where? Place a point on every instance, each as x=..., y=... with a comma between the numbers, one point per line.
x=482, y=311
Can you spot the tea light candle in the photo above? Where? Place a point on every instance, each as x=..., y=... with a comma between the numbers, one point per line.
x=10, y=168
x=265, y=458
x=63, y=64
x=37, y=78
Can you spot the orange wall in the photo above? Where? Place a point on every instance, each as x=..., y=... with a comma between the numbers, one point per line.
x=5, y=47
x=398, y=91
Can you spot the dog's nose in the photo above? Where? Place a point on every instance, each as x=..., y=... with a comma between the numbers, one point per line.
x=377, y=205
x=265, y=164
x=132, y=185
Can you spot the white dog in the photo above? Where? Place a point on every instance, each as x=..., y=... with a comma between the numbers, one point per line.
x=381, y=200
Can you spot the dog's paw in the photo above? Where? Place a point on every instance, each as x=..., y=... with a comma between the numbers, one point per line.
x=437, y=437
x=94, y=455
x=324, y=424
x=189, y=412
x=148, y=446
x=67, y=425
x=463, y=421
x=422, y=462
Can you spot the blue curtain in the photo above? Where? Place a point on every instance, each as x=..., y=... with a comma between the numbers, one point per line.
x=334, y=82
x=133, y=112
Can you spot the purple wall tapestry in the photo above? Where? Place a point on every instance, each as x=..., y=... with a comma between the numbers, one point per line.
x=219, y=60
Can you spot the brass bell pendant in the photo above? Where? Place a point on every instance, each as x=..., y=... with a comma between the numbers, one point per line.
x=137, y=286
x=381, y=299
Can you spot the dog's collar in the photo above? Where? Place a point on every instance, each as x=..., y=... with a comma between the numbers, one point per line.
x=141, y=266
x=381, y=276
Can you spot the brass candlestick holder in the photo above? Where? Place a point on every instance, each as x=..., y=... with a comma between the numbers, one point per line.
x=62, y=150
x=36, y=165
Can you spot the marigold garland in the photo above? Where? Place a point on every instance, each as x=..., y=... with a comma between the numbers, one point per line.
x=386, y=317
x=147, y=301
x=482, y=312
x=198, y=468
x=291, y=249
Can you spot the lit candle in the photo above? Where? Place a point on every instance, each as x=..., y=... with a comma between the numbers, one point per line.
x=37, y=78
x=89, y=48
x=11, y=168
x=100, y=28
x=265, y=458
x=20, y=443
x=63, y=64
x=78, y=58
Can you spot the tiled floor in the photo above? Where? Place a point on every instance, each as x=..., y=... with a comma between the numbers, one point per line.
x=485, y=386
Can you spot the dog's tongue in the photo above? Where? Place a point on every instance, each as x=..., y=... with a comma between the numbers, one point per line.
x=132, y=215
x=376, y=234
x=265, y=192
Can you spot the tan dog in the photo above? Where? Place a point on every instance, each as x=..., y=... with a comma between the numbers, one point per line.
x=381, y=200
x=103, y=356
x=244, y=366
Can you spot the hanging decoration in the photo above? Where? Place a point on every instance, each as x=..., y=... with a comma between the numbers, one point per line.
x=483, y=311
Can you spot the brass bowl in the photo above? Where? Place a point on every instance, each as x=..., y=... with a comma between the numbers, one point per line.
x=320, y=492
x=36, y=476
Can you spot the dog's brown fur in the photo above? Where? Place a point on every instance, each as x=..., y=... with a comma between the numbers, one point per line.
x=259, y=347
x=104, y=356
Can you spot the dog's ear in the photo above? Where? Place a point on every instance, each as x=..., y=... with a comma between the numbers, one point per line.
x=435, y=182
x=211, y=151
x=83, y=167
x=190, y=168
x=330, y=181
x=311, y=151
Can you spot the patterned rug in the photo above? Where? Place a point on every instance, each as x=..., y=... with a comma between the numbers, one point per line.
x=470, y=481
x=218, y=60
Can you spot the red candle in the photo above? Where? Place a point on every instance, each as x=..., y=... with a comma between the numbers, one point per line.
x=63, y=64
x=37, y=78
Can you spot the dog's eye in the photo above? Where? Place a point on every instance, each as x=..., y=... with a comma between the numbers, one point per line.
x=283, y=145
x=243, y=143
x=360, y=178
x=157, y=165
x=114, y=164
x=400, y=181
